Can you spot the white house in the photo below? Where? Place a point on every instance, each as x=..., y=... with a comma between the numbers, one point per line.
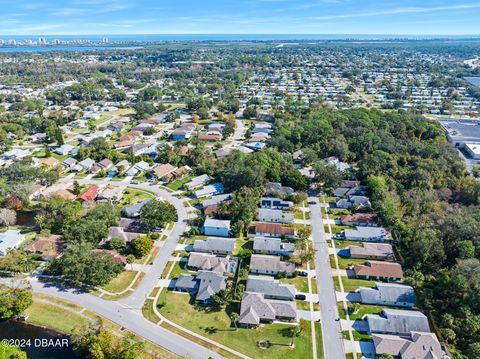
x=9, y=240
x=275, y=215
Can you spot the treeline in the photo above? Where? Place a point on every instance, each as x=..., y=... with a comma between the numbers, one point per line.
x=421, y=191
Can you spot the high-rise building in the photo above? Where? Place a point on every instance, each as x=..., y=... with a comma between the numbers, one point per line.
x=105, y=40
x=42, y=41
x=12, y=42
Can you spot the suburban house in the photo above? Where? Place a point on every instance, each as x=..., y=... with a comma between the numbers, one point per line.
x=110, y=195
x=197, y=182
x=119, y=232
x=256, y=309
x=275, y=188
x=270, y=288
x=265, y=264
x=88, y=197
x=273, y=246
x=275, y=203
x=207, y=261
x=269, y=229
x=63, y=194
x=378, y=270
x=204, y=285
x=414, y=345
x=48, y=247
x=210, y=190
x=353, y=201
x=69, y=163
x=65, y=149
x=134, y=210
x=10, y=239
x=368, y=234
x=392, y=294
x=359, y=219
x=161, y=172
x=50, y=162
x=397, y=321
x=376, y=251
x=216, y=227
x=275, y=215
x=215, y=245
x=216, y=199
x=84, y=165
x=103, y=165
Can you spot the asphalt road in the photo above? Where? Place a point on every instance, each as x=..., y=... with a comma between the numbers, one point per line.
x=332, y=331
x=127, y=311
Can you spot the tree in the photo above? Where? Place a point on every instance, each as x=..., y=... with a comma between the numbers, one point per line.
x=141, y=246
x=156, y=214
x=326, y=175
x=11, y=352
x=235, y=317
x=81, y=265
x=222, y=298
x=14, y=301
x=386, y=356
x=77, y=188
x=131, y=260
x=117, y=244
x=8, y=217
x=448, y=334
x=295, y=331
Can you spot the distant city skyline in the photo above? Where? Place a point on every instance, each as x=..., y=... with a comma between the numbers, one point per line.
x=115, y=17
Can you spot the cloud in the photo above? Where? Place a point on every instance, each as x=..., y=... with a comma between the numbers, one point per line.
x=400, y=10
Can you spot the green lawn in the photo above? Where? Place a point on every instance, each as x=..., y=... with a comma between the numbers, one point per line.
x=300, y=283
x=358, y=336
x=335, y=228
x=364, y=309
x=340, y=244
x=120, y=282
x=133, y=195
x=148, y=312
x=56, y=318
x=176, y=185
x=344, y=262
x=217, y=326
x=179, y=268
x=242, y=243
x=319, y=340
x=352, y=284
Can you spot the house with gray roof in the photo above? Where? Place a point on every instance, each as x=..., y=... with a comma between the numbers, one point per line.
x=134, y=209
x=265, y=264
x=376, y=251
x=69, y=163
x=215, y=245
x=275, y=215
x=197, y=182
x=216, y=200
x=275, y=203
x=392, y=294
x=204, y=285
x=275, y=246
x=256, y=309
x=210, y=190
x=368, y=234
x=270, y=288
x=206, y=261
x=216, y=227
x=415, y=345
x=397, y=321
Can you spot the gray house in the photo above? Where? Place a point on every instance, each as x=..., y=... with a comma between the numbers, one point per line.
x=270, y=288
x=369, y=234
x=392, y=294
x=204, y=285
x=376, y=251
x=215, y=245
x=134, y=210
x=256, y=309
x=413, y=346
x=275, y=203
x=396, y=321
x=206, y=261
x=275, y=246
x=263, y=264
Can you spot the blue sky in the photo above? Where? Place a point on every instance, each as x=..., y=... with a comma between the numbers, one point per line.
x=63, y=17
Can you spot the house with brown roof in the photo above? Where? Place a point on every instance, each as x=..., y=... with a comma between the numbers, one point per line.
x=269, y=229
x=48, y=247
x=378, y=270
x=50, y=162
x=162, y=171
x=63, y=194
x=360, y=219
x=88, y=197
x=210, y=136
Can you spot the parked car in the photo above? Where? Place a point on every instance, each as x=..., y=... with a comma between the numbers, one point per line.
x=303, y=273
x=300, y=296
x=134, y=182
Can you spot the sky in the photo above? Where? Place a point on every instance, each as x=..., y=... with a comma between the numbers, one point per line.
x=110, y=17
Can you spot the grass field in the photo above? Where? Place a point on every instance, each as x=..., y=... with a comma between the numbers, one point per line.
x=352, y=284
x=133, y=195
x=176, y=185
x=179, y=268
x=300, y=283
x=120, y=282
x=56, y=318
x=364, y=309
x=344, y=262
x=340, y=243
x=216, y=325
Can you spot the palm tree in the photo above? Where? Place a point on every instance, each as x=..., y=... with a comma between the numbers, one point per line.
x=235, y=317
x=295, y=332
